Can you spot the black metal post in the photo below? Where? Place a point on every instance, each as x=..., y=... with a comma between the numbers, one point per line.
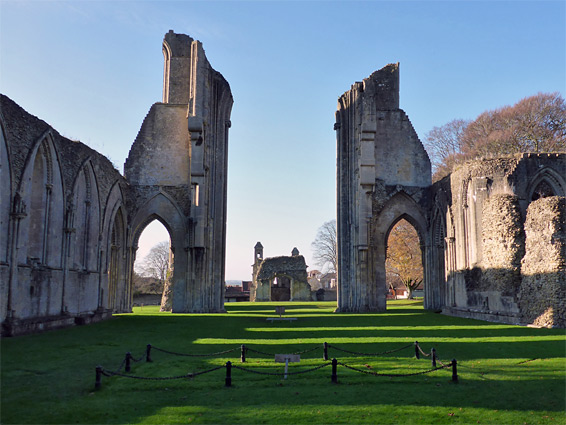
x=228, y=374
x=454, y=371
x=334, y=376
x=98, y=381
x=325, y=355
x=148, y=353
x=433, y=355
x=417, y=354
x=243, y=354
x=128, y=361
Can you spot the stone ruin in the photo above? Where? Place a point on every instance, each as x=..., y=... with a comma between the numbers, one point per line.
x=70, y=223
x=281, y=278
x=499, y=232
x=492, y=234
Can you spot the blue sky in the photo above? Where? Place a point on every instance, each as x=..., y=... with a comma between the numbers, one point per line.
x=92, y=69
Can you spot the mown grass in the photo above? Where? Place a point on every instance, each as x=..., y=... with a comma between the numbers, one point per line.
x=508, y=374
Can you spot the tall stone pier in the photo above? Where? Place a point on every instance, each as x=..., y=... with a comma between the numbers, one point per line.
x=382, y=177
x=177, y=170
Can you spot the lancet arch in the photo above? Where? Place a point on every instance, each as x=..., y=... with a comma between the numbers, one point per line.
x=5, y=196
x=400, y=207
x=113, y=253
x=41, y=189
x=547, y=182
x=86, y=219
x=163, y=207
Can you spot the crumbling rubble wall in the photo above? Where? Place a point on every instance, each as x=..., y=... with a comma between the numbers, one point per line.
x=498, y=237
x=542, y=295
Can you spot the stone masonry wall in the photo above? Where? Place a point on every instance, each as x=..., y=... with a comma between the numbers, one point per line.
x=542, y=297
x=503, y=244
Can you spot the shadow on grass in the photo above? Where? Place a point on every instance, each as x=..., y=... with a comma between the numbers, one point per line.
x=63, y=361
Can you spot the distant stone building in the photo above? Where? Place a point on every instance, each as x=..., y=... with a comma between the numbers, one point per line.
x=279, y=278
x=492, y=234
x=70, y=223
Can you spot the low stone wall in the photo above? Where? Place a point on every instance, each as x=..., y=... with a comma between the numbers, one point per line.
x=542, y=297
x=324, y=295
x=16, y=327
x=147, y=299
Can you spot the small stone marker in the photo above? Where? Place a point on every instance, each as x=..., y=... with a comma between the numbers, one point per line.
x=287, y=358
x=280, y=310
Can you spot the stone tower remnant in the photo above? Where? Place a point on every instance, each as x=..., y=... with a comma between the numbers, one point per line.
x=70, y=223
x=177, y=170
x=383, y=176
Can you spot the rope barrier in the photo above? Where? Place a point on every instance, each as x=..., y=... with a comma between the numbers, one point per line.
x=259, y=372
x=100, y=371
x=165, y=378
x=195, y=355
x=253, y=350
x=370, y=354
x=140, y=359
x=421, y=350
x=393, y=375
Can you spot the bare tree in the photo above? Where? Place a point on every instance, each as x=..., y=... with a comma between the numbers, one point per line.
x=156, y=263
x=324, y=246
x=534, y=124
x=445, y=145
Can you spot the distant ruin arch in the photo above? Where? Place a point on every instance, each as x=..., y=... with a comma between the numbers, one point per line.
x=291, y=269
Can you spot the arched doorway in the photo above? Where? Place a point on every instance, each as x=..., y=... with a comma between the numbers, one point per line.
x=166, y=211
x=404, y=261
x=152, y=266
x=281, y=288
x=400, y=208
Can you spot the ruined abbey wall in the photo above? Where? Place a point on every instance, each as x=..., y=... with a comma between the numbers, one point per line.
x=61, y=226
x=491, y=233
x=491, y=217
x=383, y=176
x=70, y=223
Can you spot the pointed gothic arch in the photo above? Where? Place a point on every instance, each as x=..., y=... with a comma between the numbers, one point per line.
x=42, y=191
x=112, y=254
x=400, y=206
x=86, y=220
x=117, y=251
x=547, y=182
x=163, y=208
x=5, y=195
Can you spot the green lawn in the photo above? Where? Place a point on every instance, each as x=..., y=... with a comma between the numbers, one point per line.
x=507, y=374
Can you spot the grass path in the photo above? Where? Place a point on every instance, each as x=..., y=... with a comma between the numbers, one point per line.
x=508, y=374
